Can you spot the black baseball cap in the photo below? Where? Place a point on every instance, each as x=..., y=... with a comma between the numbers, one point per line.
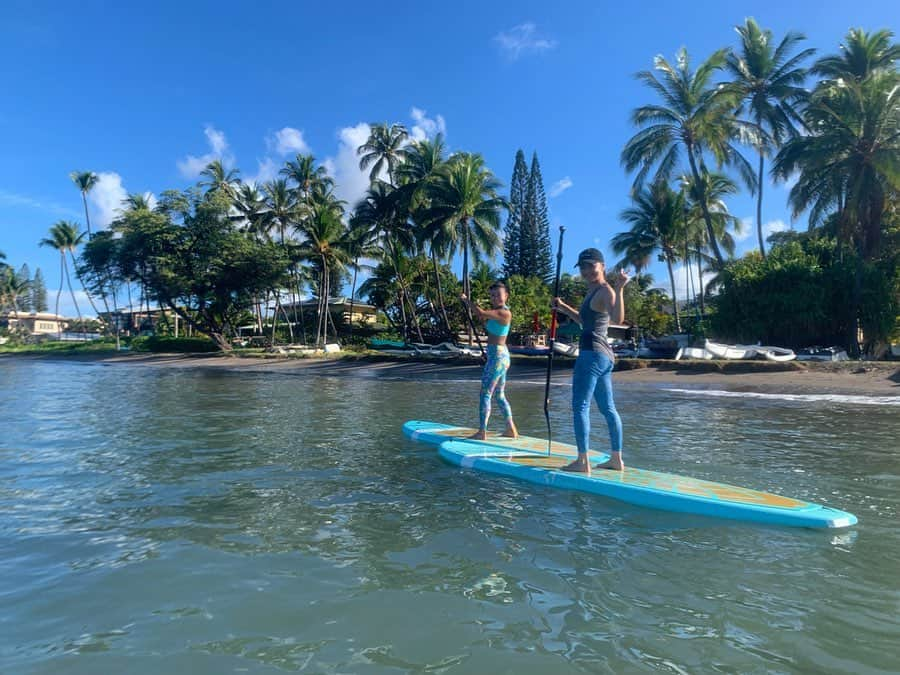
x=589, y=255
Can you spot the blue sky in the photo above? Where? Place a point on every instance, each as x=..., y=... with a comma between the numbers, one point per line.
x=145, y=93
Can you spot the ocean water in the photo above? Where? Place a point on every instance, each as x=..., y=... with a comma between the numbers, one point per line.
x=196, y=521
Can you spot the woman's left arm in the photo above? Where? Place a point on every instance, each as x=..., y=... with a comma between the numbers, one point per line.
x=617, y=315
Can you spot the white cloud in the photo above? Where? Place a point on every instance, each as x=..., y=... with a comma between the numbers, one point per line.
x=685, y=286
x=289, y=141
x=426, y=127
x=791, y=180
x=266, y=169
x=775, y=226
x=106, y=197
x=522, y=39
x=67, y=307
x=350, y=182
x=745, y=231
x=561, y=186
x=12, y=199
x=191, y=166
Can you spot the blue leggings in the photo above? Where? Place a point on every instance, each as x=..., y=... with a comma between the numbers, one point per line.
x=593, y=377
x=493, y=379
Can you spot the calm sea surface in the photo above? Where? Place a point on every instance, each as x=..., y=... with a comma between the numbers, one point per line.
x=159, y=520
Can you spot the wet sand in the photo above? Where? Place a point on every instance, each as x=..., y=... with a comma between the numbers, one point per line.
x=852, y=378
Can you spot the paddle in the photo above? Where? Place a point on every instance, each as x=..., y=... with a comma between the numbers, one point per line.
x=552, y=340
x=468, y=289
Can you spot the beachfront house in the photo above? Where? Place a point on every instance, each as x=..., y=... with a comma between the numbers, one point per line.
x=339, y=308
x=34, y=323
x=144, y=321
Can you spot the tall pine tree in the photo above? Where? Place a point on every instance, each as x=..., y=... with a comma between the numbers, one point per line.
x=543, y=255
x=24, y=275
x=512, y=242
x=535, y=255
x=38, y=292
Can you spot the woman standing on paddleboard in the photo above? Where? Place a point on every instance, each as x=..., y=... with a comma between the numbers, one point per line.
x=592, y=376
x=493, y=379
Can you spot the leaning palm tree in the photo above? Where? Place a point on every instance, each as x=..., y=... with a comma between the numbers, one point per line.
x=657, y=228
x=64, y=237
x=383, y=150
x=697, y=118
x=85, y=182
x=771, y=82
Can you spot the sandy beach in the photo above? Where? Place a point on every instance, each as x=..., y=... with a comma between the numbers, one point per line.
x=851, y=378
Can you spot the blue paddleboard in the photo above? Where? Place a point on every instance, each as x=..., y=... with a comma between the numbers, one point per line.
x=527, y=459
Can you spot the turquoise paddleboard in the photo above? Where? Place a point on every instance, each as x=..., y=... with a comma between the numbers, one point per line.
x=527, y=458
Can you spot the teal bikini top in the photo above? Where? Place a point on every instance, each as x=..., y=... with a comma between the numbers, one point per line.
x=495, y=328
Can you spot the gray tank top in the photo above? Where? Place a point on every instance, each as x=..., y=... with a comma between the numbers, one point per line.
x=594, y=326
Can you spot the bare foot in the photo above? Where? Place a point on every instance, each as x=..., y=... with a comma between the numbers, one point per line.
x=580, y=465
x=479, y=436
x=511, y=431
x=614, y=463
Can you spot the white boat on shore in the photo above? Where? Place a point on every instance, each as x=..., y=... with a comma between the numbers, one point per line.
x=730, y=352
x=739, y=352
x=693, y=353
x=822, y=354
x=777, y=353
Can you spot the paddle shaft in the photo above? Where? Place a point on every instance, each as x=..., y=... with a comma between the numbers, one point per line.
x=471, y=321
x=562, y=231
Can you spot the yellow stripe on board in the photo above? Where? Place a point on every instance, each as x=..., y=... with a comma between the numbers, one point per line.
x=671, y=483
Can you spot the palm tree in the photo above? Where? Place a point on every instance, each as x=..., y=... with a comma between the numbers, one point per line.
x=64, y=237
x=849, y=162
x=381, y=214
x=657, y=227
x=420, y=166
x=85, y=182
x=861, y=55
x=770, y=81
x=308, y=177
x=697, y=118
x=715, y=188
x=324, y=244
x=137, y=201
x=218, y=179
x=12, y=288
x=383, y=150
x=361, y=243
x=464, y=209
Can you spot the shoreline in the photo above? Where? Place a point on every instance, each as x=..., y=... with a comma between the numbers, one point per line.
x=840, y=378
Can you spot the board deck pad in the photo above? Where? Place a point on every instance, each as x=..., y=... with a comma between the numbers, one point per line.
x=436, y=433
x=527, y=459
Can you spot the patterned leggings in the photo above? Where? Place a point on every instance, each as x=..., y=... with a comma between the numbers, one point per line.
x=493, y=379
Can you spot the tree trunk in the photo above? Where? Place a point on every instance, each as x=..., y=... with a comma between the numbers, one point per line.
x=674, y=297
x=62, y=263
x=759, y=228
x=86, y=215
x=352, y=294
x=74, y=301
x=704, y=207
x=440, y=290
